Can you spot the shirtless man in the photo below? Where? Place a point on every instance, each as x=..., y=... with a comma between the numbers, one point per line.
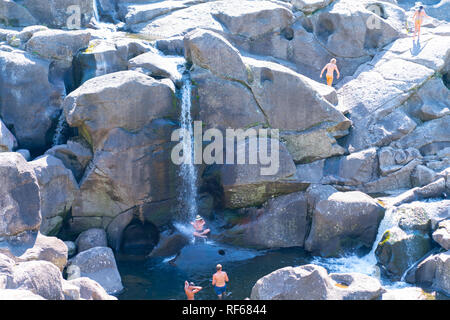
x=219, y=281
x=190, y=289
x=330, y=67
x=418, y=17
x=198, y=225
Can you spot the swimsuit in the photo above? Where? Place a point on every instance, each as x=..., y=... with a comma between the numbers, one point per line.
x=220, y=290
x=329, y=80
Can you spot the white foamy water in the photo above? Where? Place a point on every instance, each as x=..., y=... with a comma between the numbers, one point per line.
x=367, y=263
x=57, y=137
x=188, y=171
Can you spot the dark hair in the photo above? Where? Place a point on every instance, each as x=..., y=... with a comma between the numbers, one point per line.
x=420, y=8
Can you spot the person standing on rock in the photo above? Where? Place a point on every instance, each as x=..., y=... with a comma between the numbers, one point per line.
x=330, y=67
x=219, y=281
x=190, y=289
x=418, y=17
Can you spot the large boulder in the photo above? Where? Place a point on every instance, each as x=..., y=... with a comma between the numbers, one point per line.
x=281, y=222
x=40, y=277
x=19, y=196
x=309, y=6
x=442, y=234
x=18, y=294
x=98, y=264
x=403, y=245
x=15, y=15
x=252, y=184
x=7, y=141
x=58, y=189
x=433, y=272
x=311, y=282
x=343, y=221
x=30, y=103
x=91, y=238
x=60, y=13
x=103, y=103
x=112, y=186
x=58, y=45
x=90, y=289
x=75, y=155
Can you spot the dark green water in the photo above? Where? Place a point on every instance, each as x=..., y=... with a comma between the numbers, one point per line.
x=156, y=279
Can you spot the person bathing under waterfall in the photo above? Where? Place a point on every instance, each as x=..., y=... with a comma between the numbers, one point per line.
x=190, y=289
x=198, y=225
x=219, y=281
x=418, y=18
x=330, y=67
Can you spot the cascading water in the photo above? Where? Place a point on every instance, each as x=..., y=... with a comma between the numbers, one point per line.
x=367, y=263
x=62, y=124
x=188, y=171
x=95, y=9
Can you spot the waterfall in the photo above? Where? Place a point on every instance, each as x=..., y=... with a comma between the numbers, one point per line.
x=59, y=129
x=188, y=171
x=95, y=9
x=367, y=263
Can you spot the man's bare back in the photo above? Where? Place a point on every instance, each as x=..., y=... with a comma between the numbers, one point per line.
x=220, y=278
x=191, y=290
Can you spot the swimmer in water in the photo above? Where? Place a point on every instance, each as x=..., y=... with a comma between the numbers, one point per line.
x=190, y=289
x=418, y=18
x=219, y=281
x=330, y=67
x=198, y=225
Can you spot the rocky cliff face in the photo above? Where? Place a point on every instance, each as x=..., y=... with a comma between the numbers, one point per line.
x=111, y=94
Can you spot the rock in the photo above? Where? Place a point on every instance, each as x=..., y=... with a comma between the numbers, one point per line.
x=106, y=92
x=15, y=15
x=99, y=58
x=211, y=51
x=91, y=238
x=282, y=222
x=343, y=221
x=309, y=6
x=70, y=291
x=442, y=234
x=250, y=185
x=75, y=156
x=40, y=277
x=19, y=195
x=58, y=45
x=433, y=190
x=434, y=272
x=391, y=160
x=137, y=13
x=290, y=102
x=308, y=282
x=422, y=176
x=311, y=282
x=157, y=66
x=310, y=172
x=71, y=248
x=18, y=294
x=30, y=111
x=58, y=13
x=116, y=228
x=97, y=264
x=7, y=265
x=355, y=169
x=431, y=96
x=111, y=186
x=357, y=286
x=7, y=141
x=169, y=245
x=239, y=18
x=90, y=289
x=58, y=189
x=408, y=293
x=399, y=249
x=25, y=154
x=224, y=104
x=44, y=248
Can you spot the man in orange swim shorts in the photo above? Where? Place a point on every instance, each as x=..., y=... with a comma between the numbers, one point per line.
x=418, y=17
x=330, y=67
